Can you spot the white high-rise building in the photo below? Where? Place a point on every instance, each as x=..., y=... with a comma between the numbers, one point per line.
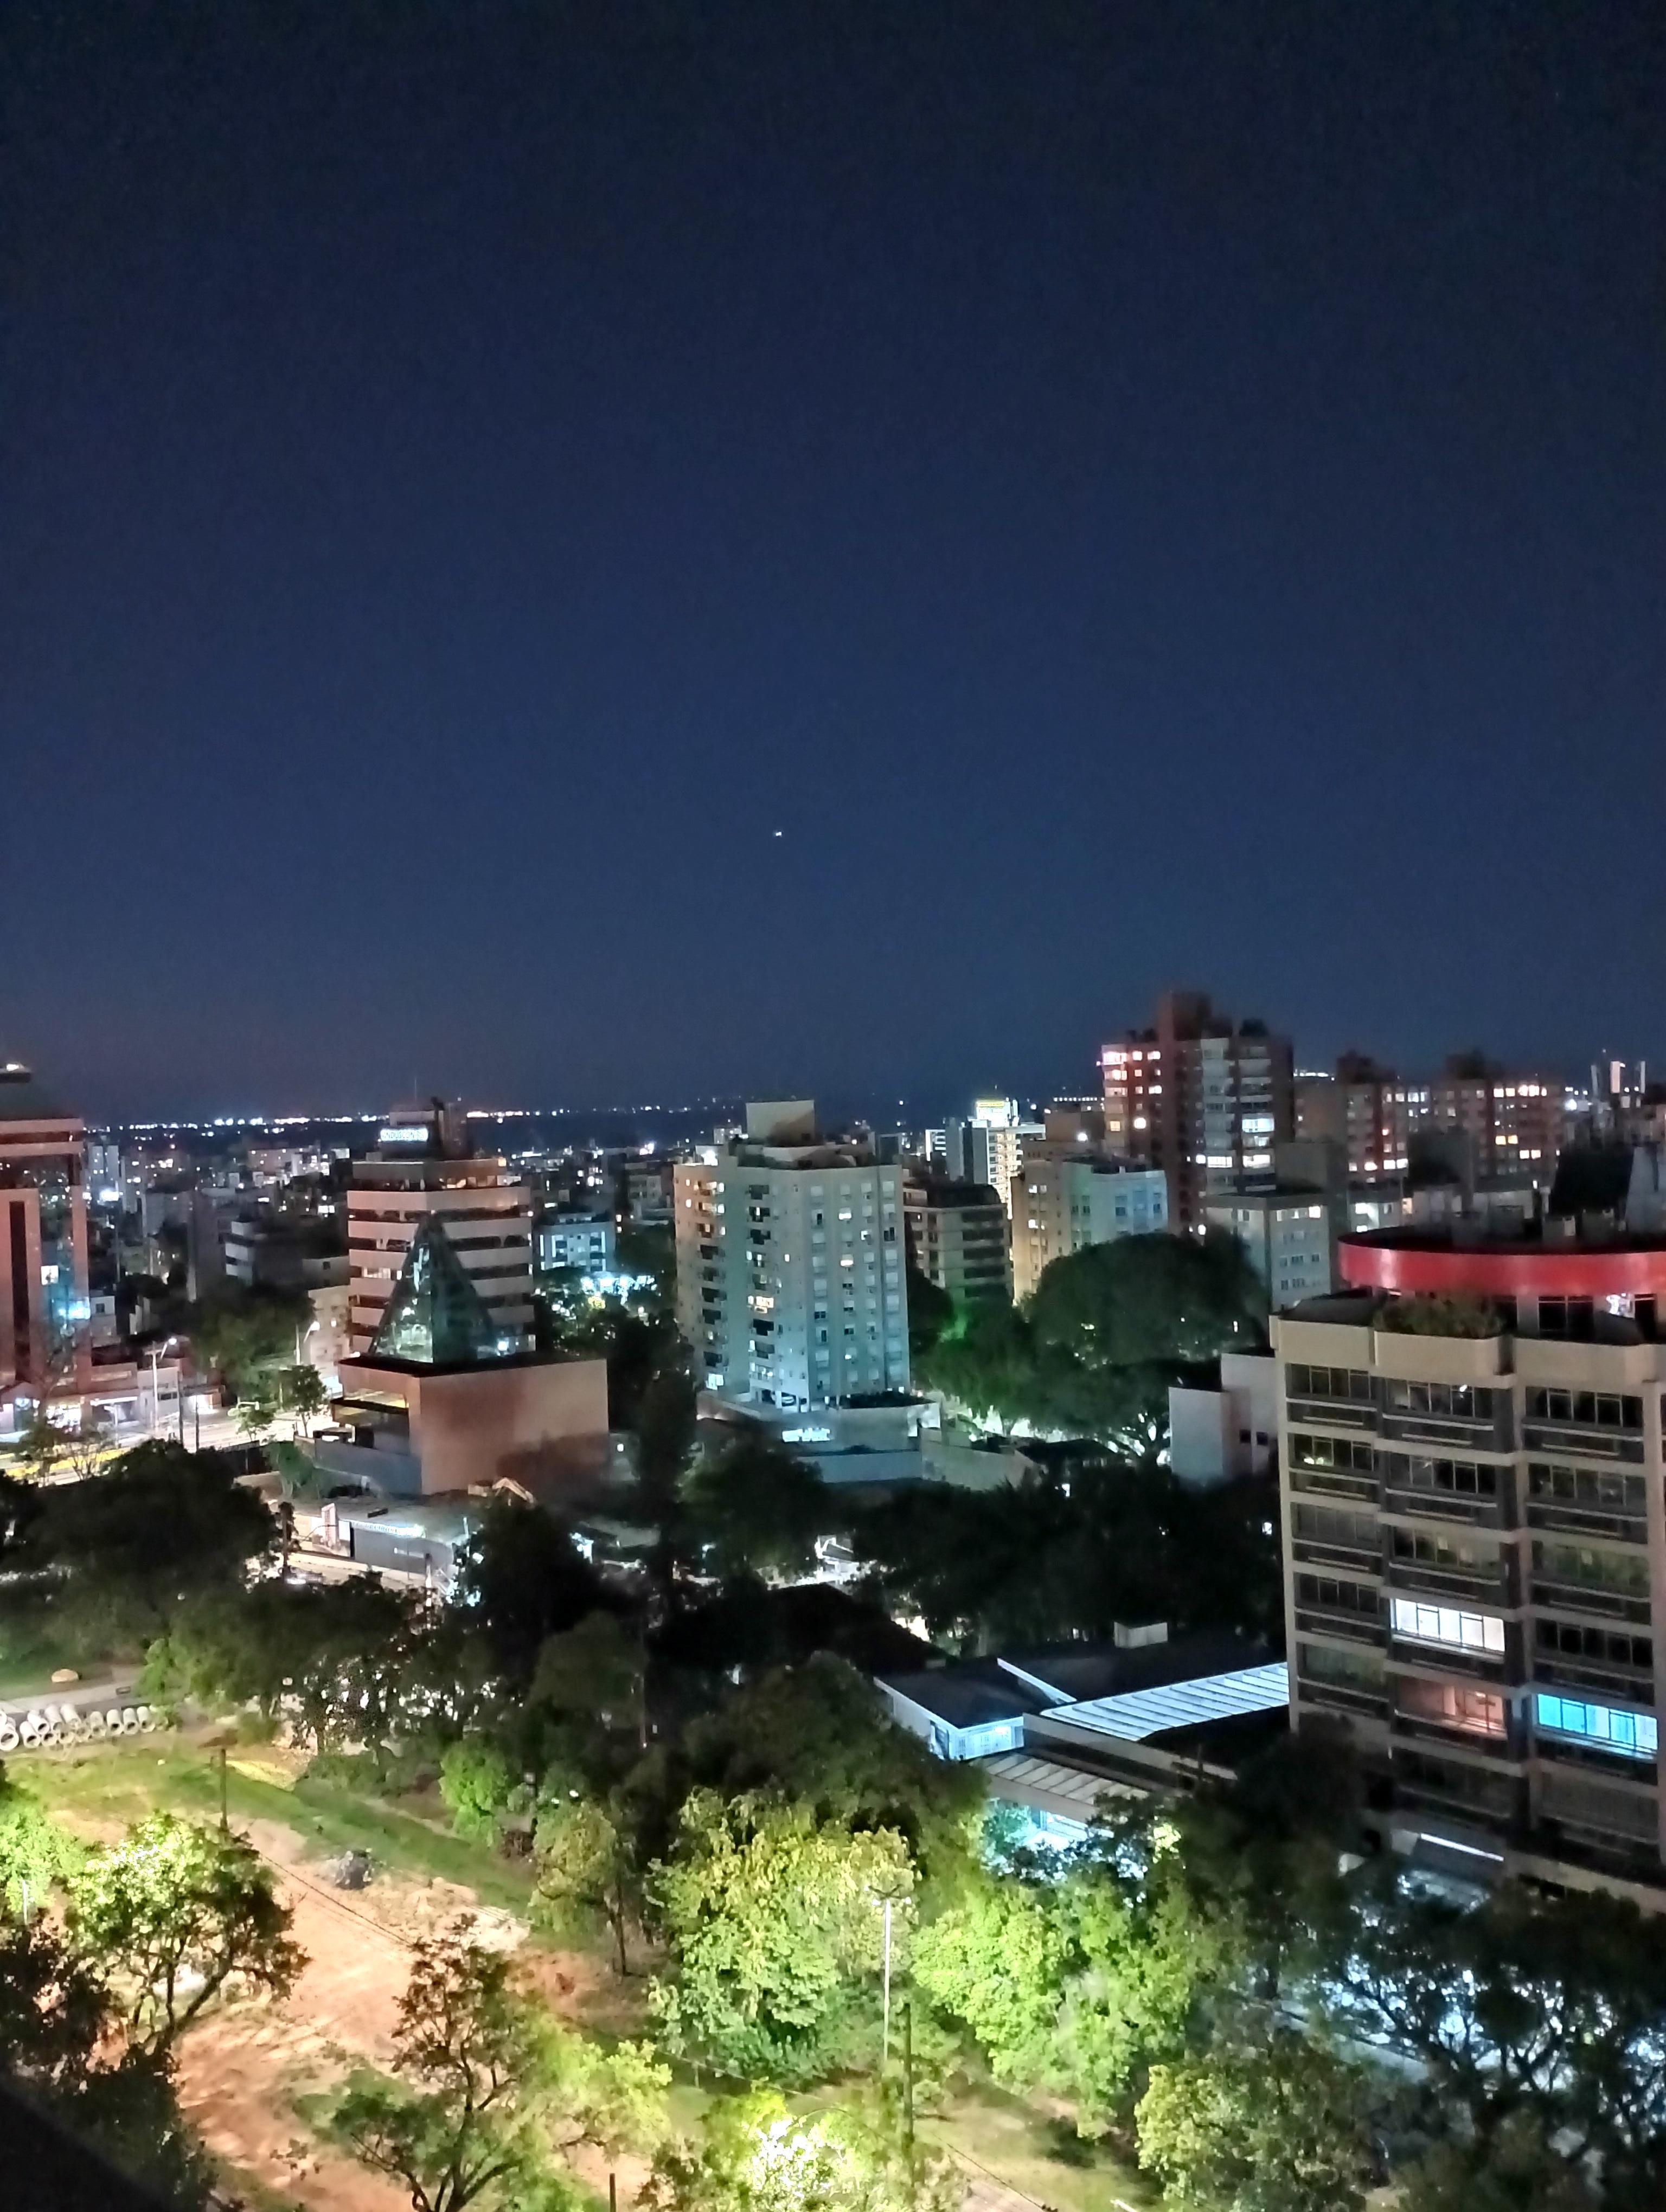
x=790, y=1277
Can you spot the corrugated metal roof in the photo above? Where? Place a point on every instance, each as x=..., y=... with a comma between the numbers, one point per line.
x=1143, y=1713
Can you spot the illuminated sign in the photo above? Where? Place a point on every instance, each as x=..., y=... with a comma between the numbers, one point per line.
x=403, y=1134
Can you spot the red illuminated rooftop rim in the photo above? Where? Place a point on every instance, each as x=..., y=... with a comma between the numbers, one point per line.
x=1432, y=1267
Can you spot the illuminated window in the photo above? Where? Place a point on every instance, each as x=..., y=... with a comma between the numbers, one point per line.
x=1446, y=1625
x=1633, y=1735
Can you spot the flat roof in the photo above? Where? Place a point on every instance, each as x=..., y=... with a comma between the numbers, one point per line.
x=1069, y=1673
x=966, y=1694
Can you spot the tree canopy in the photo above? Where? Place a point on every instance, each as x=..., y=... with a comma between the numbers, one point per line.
x=161, y=1525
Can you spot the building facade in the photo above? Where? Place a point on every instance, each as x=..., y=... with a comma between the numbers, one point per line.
x=1512, y=1123
x=959, y=1238
x=45, y=1305
x=421, y=1168
x=790, y=1278
x=587, y=1243
x=1062, y=1202
x=1474, y=1543
x=1367, y=1111
x=987, y=1149
x=1200, y=1097
x=1289, y=1236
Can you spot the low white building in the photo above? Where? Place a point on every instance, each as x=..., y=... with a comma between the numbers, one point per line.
x=1215, y=1435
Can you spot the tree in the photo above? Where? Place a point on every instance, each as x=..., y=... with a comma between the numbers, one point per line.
x=985, y=1362
x=335, y=1657
x=590, y=1871
x=300, y=1390
x=593, y=1677
x=1280, y=2125
x=42, y=1445
x=757, y=1508
x=172, y=1914
x=485, y=2085
x=775, y=1920
x=57, y=2043
x=756, y=2156
x=477, y=1785
x=35, y=1853
x=246, y=1334
x=1519, y=2010
x=1518, y=2171
x=819, y=1735
x=1267, y=1850
x=1080, y=1981
x=161, y=1525
x=520, y=1581
x=931, y=1313
x=85, y=1447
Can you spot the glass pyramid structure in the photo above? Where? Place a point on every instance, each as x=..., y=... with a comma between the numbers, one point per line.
x=436, y=1317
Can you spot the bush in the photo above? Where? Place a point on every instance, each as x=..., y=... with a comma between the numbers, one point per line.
x=1435, y=1316
x=477, y=1784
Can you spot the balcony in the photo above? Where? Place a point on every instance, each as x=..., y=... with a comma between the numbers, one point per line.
x=1579, y=1437
x=1331, y=1412
x=1325, y=1620
x=1585, y=1521
x=1335, y=1482
x=1497, y=1591
x=1554, y=1596
x=1352, y=1558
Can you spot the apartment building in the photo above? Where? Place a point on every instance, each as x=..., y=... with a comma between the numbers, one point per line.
x=1367, y=1111
x=790, y=1279
x=1289, y=1234
x=45, y=1305
x=958, y=1238
x=987, y=1149
x=1474, y=1543
x=1512, y=1123
x=1063, y=1200
x=1200, y=1097
x=421, y=1168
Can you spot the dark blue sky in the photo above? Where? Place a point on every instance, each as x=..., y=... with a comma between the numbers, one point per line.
x=1135, y=493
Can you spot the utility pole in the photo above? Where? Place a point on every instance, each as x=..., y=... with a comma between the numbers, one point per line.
x=885, y=2031
x=907, y=2099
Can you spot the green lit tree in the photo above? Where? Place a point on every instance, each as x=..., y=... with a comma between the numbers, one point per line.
x=486, y=2089
x=1282, y=2124
x=171, y=1915
x=775, y=1922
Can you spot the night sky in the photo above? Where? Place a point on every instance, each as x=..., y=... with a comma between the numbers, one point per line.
x=1134, y=493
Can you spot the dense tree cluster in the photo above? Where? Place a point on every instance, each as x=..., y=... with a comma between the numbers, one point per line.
x=1092, y=1353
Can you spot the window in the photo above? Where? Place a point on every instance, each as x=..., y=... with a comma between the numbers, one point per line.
x=1447, y=1402
x=1355, y=1670
x=1343, y=1383
x=1452, y=1477
x=1633, y=1735
x=1328, y=1595
x=1319, y=1524
x=1452, y=1704
x=1586, y=1409
x=1436, y=1548
x=1589, y=1569
x=1446, y=1625
x=1326, y=1452
x=1606, y=1646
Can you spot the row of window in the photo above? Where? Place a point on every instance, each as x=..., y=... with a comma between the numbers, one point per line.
x=1609, y=1647
x=1624, y=1572
x=1634, y=1735
x=1448, y=1402
x=1601, y=1489
x=1440, y=1548
x=1451, y=1477
x=1587, y=1409
x=1449, y=1625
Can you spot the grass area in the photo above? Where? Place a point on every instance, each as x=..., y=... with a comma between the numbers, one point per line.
x=1041, y=2158
x=33, y=1644
x=123, y=1782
